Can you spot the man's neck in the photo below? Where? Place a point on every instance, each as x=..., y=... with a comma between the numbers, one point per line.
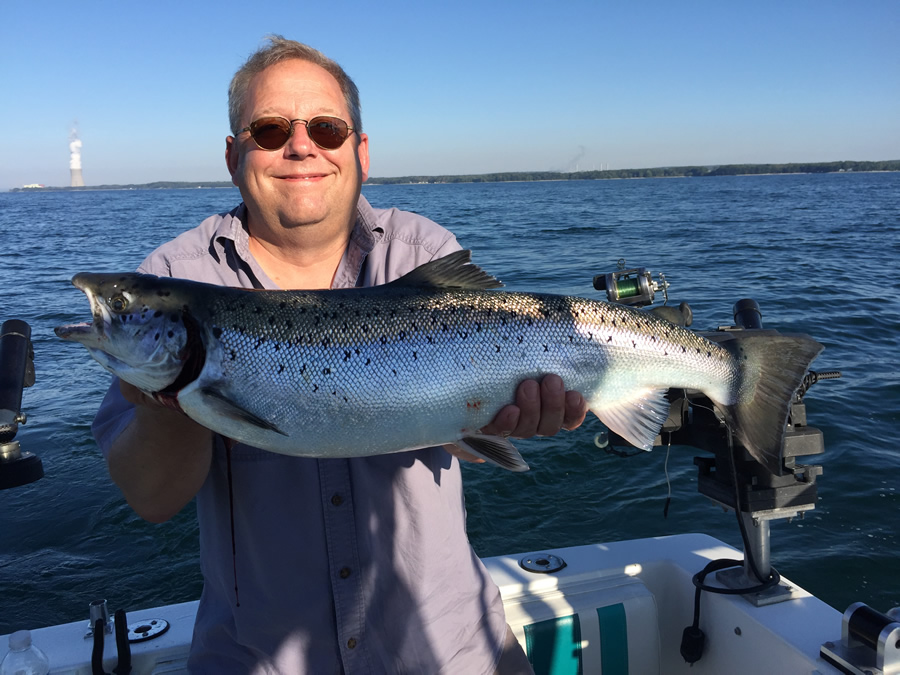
x=300, y=258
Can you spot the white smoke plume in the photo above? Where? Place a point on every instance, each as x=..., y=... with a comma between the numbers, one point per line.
x=74, y=150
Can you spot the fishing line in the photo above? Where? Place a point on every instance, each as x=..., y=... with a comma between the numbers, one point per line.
x=668, y=482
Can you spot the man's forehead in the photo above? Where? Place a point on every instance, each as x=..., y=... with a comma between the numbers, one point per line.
x=292, y=77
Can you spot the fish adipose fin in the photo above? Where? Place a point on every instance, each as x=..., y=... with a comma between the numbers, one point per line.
x=637, y=418
x=228, y=408
x=451, y=271
x=772, y=369
x=494, y=449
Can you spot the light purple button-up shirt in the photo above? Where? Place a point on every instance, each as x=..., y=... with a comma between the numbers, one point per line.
x=356, y=565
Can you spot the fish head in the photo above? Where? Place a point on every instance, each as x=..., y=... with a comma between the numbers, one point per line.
x=140, y=329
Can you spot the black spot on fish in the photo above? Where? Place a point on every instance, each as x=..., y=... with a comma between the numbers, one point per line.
x=477, y=327
x=609, y=339
x=346, y=355
x=257, y=310
x=634, y=344
x=175, y=318
x=325, y=341
x=326, y=371
x=415, y=356
x=156, y=337
x=356, y=351
x=368, y=361
x=430, y=339
x=546, y=348
x=365, y=328
x=217, y=332
x=171, y=334
x=157, y=314
x=497, y=347
x=315, y=388
x=382, y=339
x=277, y=346
x=233, y=355
x=709, y=353
x=393, y=371
x=521, y=339
x=683, y=350
x=280, y=368
x=282, y=305
x=271, y=320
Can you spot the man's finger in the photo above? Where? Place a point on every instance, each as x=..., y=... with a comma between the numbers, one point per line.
x=553, y=405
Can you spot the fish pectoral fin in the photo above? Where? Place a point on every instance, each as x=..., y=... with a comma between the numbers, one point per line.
x=494, y=449
x=637, y=418
x=228, y=408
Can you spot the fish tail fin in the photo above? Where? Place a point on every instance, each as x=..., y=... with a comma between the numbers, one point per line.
x=771, y=370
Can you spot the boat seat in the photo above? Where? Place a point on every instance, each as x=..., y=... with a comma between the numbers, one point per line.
x=606, y=626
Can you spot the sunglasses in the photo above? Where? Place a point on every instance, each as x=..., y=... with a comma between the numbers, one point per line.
x=272, y=133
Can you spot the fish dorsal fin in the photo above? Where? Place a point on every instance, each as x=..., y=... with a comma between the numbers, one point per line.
x=451, y=271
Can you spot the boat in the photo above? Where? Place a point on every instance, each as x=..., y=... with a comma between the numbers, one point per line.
x=685, y=603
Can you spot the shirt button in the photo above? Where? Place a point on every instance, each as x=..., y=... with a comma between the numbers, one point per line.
x=351, y=643
x=337, y=500
x=345, y=572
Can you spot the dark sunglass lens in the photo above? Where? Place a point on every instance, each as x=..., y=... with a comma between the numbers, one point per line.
x=270, y=133
x=328, y=132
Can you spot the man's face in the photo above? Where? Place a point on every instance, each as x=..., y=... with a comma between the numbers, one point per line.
x=300, y=184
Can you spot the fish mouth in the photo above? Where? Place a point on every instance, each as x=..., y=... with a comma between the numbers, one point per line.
x=90, y=333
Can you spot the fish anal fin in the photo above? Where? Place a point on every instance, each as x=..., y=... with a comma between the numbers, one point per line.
x=494, y=449
x=451, y=271
x=228, y=408
x=637, y=417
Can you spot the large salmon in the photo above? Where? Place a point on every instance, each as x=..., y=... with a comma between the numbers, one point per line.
x=427, y=359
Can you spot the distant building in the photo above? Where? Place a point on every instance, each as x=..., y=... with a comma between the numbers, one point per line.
x=32, y=186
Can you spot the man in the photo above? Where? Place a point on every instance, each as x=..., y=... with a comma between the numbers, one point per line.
x=358, y=565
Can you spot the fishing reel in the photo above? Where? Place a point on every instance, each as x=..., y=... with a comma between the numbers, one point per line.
x=634, y=287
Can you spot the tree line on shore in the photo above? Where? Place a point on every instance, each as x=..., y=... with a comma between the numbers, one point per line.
x=518, y=176
x=658, y=172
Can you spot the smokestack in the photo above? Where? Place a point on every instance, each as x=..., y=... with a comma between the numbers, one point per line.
x=75, y=159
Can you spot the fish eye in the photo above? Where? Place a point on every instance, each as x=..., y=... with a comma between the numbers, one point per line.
x=118, y=303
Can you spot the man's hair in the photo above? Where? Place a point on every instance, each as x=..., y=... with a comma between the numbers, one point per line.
x=280, y=50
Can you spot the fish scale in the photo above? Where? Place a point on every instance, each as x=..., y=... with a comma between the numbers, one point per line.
x=427, y=359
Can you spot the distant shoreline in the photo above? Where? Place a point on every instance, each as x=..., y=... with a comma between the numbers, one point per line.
x=534, y=176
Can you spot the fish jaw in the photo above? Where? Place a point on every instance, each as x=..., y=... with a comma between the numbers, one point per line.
x=135, y=333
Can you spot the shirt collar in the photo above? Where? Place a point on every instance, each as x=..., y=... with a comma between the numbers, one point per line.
x=366, y=233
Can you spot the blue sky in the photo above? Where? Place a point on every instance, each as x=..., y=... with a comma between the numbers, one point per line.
x=462, y=87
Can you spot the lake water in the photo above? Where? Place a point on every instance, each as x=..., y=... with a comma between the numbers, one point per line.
x=818, y=252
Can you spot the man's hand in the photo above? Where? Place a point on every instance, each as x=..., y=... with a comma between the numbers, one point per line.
x=541, y=409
